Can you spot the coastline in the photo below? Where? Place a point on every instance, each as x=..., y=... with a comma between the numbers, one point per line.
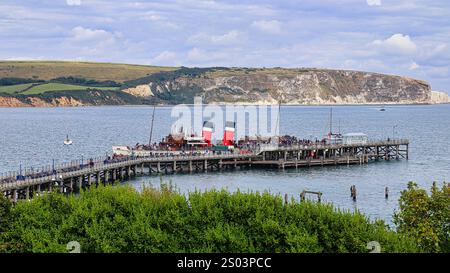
x=228, y=104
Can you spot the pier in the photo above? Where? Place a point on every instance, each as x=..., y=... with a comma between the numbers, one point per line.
x=76, y=176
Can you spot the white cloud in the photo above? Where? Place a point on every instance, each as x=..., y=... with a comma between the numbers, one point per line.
x=374, y=2
x=435, y=54
x=414, y=66
x=272, y=26
x=93, y=43
x=81, y=34
x=159, y=19
x=227, y=38
x=201, y=57
x=165, y=58
x=196, y=55
x=24, y=58
x=73, y=2
x=326, y=33
x=231, y=37
x=439, y=72
x=397, y=44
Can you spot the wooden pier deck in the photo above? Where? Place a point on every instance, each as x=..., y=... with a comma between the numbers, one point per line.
x=72, y=177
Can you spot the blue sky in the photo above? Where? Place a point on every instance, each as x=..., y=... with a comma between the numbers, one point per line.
x=404, y=37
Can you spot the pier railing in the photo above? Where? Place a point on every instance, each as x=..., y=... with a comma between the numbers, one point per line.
x=32, y=176
x=320, y=146
x=73, y=169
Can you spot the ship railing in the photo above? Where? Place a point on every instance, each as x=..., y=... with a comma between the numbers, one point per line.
x=324, y=146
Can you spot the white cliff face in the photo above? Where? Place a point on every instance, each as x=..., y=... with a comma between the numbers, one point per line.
x=139, y=91
x=439, y=97
x=311, y=87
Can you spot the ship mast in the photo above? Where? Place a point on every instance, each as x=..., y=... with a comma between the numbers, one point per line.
x=339, y=132
x=331, y=122
x=277, y=124
x=151, y=128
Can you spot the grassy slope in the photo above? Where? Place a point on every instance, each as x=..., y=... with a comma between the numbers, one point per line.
x=47, y=70
x=51, y=87
x=237, y=71
x=11, y=89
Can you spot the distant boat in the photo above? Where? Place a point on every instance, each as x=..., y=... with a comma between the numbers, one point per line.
x=68, y=141
x=382, y=109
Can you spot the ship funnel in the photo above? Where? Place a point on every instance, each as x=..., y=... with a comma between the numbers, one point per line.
x=228, y=135
x=207, y=132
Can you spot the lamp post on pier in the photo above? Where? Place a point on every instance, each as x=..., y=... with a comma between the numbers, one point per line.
x=393, y=131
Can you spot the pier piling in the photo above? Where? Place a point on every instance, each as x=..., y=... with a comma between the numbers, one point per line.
x=73, y=177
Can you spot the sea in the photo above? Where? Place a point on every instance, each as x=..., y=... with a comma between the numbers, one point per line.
x=32, y=137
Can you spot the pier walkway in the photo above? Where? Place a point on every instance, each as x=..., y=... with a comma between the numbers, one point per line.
x=74, y=176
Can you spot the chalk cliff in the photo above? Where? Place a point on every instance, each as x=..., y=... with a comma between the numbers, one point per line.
x=291, y=86
x=221, y=85
x=439, y=97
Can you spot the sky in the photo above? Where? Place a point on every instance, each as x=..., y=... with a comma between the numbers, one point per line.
x=402, y=37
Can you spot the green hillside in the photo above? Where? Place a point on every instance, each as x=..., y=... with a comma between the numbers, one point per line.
x=17, y=88
x=52, y=87
x=48, y=70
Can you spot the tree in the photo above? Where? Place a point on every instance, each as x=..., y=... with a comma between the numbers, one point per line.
x=5, y=209
x=426, y=217
x=5, y=218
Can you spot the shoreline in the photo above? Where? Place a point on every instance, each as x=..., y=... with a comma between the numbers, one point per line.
x=234, y=104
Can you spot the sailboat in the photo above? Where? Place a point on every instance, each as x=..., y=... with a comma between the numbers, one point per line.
x=68, y=141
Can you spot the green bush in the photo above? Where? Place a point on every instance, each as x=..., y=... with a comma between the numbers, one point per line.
x=426, y=217
x=121, y=219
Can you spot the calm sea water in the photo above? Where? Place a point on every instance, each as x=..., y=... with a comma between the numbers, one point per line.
x=34, y=136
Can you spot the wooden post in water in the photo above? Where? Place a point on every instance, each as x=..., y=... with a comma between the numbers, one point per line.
x=71, y=184
x=302, y=196
x=14, y=196
x=353, y=192
x=80, y=183
x=114, y=175
x=98, y=179
x=407, y=152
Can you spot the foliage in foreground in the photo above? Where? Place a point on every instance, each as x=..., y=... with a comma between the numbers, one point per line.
x=120, y=219
x=426, y=217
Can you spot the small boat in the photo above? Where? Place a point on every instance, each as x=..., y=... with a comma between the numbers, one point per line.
x=382, y=109
x=68, y=141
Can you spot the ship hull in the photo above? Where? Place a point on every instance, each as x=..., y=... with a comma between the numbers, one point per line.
x=127, y=151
